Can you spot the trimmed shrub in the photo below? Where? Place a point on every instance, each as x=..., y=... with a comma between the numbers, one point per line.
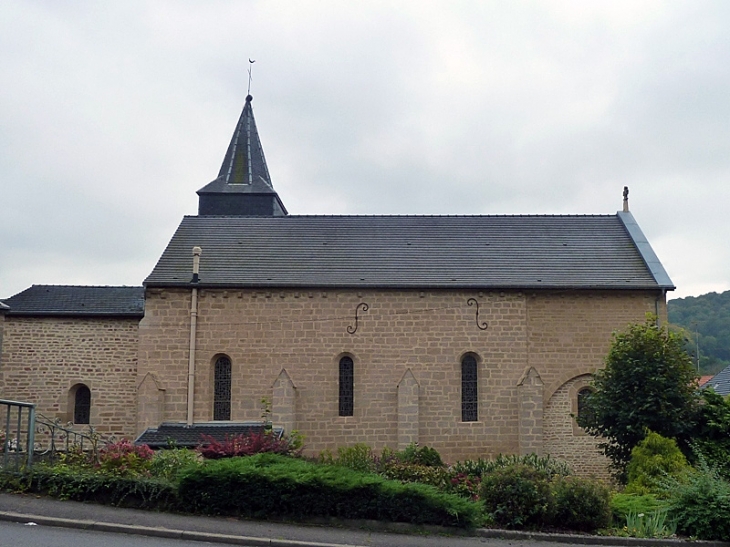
x=581, y=504
x=517, y=496
x=653, y=460
x=270, y=485
x=701, y=504
x=137, y=492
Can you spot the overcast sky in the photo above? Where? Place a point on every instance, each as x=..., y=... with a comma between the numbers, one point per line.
x=112, y=115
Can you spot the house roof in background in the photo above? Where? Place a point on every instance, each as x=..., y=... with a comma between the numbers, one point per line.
x=518, y=252
x=73, y=300
x=720, y=382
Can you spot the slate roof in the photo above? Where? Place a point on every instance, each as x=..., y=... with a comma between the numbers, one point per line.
x=520, y=252
x=191, y=436
x=720, y=382
x=72, y=300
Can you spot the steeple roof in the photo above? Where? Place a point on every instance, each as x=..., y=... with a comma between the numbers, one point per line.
x=244, y=162
x=243, y=186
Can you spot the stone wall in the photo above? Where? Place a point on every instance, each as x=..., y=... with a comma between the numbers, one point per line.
x=565, y=440
x=42, y=359
x=305, y=333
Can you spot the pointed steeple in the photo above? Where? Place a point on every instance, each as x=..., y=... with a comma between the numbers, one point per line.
x=244, y=161
x=243, y=186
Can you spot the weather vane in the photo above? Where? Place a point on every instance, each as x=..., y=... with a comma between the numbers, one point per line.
x=250, y=66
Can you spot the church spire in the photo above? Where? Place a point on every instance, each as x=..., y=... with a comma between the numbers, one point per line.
x=243, y=186
x=244, y=161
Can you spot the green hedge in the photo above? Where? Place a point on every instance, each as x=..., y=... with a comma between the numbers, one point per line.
x=135, y=492
x=271, y=485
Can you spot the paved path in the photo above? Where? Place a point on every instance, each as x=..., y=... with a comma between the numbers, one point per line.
x=51, y=512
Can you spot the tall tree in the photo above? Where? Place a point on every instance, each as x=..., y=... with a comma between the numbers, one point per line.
x=648, y=383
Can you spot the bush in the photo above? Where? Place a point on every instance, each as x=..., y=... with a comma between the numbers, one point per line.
x=407, y=472
x=269, y=485
x=248, y=445
x=623, y=504
x=581, y=504
x=359, y=457
x=517, y=496
x=420, y=455
x=122, y=491
x=711, y=432
x=653, y=460
x=701, y=504
x=168, y=464
x=466, y=486
x=124, y=458
x=480, y=467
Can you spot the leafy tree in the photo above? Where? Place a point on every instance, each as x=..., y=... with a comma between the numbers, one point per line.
x=711, y=432
x=648, y=384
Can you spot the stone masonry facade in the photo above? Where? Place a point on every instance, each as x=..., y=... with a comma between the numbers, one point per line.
x=42, y=359
x=285, y=345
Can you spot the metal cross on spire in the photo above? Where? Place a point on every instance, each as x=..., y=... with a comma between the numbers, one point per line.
x=250, y=66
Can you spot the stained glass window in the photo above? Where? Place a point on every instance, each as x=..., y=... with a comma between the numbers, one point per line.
x=347, y=386
x=469, y=394
x=222, y=389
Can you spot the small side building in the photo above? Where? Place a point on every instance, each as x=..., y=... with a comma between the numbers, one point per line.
x=73, y=351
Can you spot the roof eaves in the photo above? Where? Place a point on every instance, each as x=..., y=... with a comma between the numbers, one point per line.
x=401, y=286
x=647, y=253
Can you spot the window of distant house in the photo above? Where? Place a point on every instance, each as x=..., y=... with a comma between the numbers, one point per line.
x=347, y=386
x=82, y=405
x=469, y=394
x=222, y=389
x=582, y=396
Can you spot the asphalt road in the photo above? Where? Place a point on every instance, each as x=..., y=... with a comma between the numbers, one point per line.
x=22, y=535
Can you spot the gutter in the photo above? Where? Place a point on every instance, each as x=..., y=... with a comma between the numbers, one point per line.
x=197, y=251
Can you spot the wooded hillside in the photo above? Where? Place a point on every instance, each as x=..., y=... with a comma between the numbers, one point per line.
x=707, y=318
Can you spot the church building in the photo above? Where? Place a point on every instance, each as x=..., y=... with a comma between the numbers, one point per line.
x=475, y=335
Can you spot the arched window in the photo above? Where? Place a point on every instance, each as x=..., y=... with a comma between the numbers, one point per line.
x=582, y=396
x=82, y=405
x=222, y=389
x=469, y=393
x=347, y=386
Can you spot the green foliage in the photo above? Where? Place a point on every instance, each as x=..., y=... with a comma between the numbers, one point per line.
x=411, y=472
x=711, y=432
x=701, y=505
x=269, y=485
x=648, y=383
x=168, y=464
x=420, y=455
x=655, y=524
x=581, y=504
x=706, y=316
x=124, y=458
x=623, y=504
x=358, y=457
x=64, y=483
x=480, y=467
x=653, y=460
x=466, y=486
x=517, y=496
